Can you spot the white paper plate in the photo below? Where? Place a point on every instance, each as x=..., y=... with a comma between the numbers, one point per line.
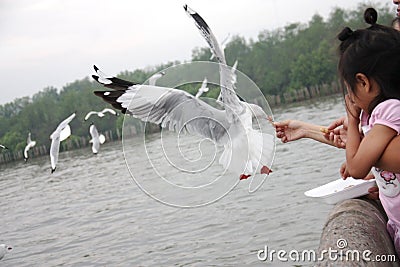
x=340, y=189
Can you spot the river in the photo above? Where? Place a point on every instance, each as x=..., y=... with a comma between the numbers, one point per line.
x=90, y=212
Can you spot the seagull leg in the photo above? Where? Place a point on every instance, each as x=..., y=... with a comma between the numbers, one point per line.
x=265, y=170
x=244, y=176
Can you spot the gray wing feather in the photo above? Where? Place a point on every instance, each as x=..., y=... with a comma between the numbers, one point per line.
x=175, y=110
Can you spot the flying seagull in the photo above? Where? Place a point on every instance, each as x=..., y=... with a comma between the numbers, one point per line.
x=97, y=139
x=101, y=114
x=155, y=77
x=179, y=111
x=202, y=89
x=29, y=145
x=239, y=113
x=4, y=249
x=62, y=132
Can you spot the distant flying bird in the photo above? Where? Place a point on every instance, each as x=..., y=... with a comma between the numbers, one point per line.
x=247, y=150
x=4, y=249
x=97, y=139
x=155, y=77
x=62, y=132
x=101, y=114
x=29, y=145
x=202, y=89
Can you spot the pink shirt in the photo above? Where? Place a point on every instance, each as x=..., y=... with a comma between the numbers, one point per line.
x=386, y=113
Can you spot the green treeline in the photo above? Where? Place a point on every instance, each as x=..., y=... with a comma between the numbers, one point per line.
x=279, y=61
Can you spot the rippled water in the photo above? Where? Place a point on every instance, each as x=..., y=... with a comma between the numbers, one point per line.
x=91, y=213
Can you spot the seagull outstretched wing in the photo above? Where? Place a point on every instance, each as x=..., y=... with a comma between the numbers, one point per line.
x=230, y=100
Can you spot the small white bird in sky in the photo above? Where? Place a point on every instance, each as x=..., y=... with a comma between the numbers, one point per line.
x=203, y=88
x=97, y=139
x=155, y=77
x=62, y=132
x=29, y=145
x=247, y=150
x=101, y=114
x=4, y=249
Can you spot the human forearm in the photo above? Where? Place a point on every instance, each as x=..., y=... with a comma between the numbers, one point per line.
x=390, y=159
x=314, y=132
x=352, y=146
x=291, y=130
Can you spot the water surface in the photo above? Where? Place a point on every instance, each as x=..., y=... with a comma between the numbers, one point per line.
x=91, y=213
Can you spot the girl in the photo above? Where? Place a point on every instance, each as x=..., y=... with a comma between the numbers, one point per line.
x=369, y=67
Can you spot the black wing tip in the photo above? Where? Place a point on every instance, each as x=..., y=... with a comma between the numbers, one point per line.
x=53, y=170
x=95, y=68
x=99, y=93
x=188, y=9
x=111, y=99
x=201, y=23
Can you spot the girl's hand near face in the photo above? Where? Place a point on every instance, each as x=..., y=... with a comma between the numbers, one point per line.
x=353, y=111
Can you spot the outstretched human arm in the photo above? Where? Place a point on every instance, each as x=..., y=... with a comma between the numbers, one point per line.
x=291, y=130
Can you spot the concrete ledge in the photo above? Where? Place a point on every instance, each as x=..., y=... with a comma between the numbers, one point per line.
x=356, y=225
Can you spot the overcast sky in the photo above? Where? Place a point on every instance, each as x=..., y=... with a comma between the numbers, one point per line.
x=55, y=42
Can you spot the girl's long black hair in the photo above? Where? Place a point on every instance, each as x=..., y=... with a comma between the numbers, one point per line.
x=374, y=52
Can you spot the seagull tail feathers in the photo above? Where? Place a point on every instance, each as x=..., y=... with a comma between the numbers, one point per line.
x=258, y=146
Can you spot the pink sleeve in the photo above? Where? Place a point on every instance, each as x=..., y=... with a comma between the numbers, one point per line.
x=387, y=113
